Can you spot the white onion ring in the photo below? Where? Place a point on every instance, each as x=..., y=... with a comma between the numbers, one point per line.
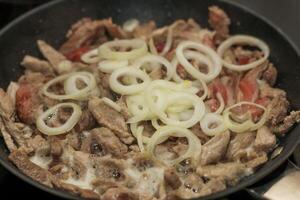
x=91, y=56
x=70, y=86
x=156, y=59
x=111, y=104
x=108, y=66
x=243, y=39
x=67, y=126
x=221, y=102
x=117, y=87
x=168, y=44
x=214, y=69
x=162, y=134
x=130, y=25
x=208, y=120
x=139, y=48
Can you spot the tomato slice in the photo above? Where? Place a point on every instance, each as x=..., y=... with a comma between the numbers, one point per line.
x=76, y=54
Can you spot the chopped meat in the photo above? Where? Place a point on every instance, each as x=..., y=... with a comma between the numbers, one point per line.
x=119, y=194
x=172, y=178
x=106, y=141
x=124, y=109
x=219, y=21
x=144, y=30
x=265, y=140
x=193, y=182
x=56, y=148
x=87, y=33
x=277, y=110
x=196, y=129
x=107, y=116
x=142, y=162
x=240, y=145
x=53, y=56
x=28, y=103
x=101, y=184
x=11, y=92
x=80, y=164
x=38, y=143
x=84, y=193
x=213, y=150
x=270, y=74
x=36, y=65
x=287, y=123
x=269, y=92
x=257, y=161
x=21, y=160
x=231, y=172
x=7, y=137
x=6, y=104
x=212, y=186
x=74, y=139
x=86, y=121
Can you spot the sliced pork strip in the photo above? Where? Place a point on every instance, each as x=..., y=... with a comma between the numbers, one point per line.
x=21, y=160
x=7, y=137
x=213, y=150
x=6, y=104
x=265, y=140
x=231, y=172
x=172, y=179
x=259, y=159
x=80, y=165
x=220, y=22
x=212, y=186
x=278, y=109
x=36, y=65
x=270, y=75
x=287, y=123
x=86, y=122
x=109, y=117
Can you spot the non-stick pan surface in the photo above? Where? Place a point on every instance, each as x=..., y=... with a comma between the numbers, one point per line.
x=50, y=22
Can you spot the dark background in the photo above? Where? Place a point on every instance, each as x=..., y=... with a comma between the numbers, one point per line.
x=283, y=13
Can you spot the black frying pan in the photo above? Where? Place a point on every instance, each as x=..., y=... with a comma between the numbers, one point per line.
x=51, y=21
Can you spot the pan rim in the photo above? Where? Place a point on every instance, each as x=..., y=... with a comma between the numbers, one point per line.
x=226, y=192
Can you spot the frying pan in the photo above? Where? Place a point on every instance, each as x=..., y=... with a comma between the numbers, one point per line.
x=51, y=21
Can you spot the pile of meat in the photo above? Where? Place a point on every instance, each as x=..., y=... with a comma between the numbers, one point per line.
x=100, y=159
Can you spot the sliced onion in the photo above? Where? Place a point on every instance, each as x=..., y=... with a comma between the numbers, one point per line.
x=212, y=119
x=138, y=49
x=248, y=125
x=168, y=44
x=91, y=56
x=72, y=92
x=67, y=126
x=214, y=67
x=221, y=102
x=111, y=104
x=162, y=134
x=118, y=87
x=139, y=63
x=108, y=66
x=248, y=40
x=152, y=47
x=134, y=129
x=130, y=25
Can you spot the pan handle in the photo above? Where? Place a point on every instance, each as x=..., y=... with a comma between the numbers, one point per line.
x=284, y=184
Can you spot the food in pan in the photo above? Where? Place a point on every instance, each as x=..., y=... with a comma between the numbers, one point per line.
x=139, y=112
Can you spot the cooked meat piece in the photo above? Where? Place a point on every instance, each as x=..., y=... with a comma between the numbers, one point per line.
x=269, y=92
x=257, y=161
x=101, y=185
x=86, y=121
x=21, y=160
x=212, y=186
x=142, y=162
x=265, y=140
x=193, y=182
x=172, y=179
x=74, y=139
x=109, y=168
x=36, y=65
x=6, y=104
x=84, y=193
x=220, y=22
x=119, y=193
x=56, y=148
x=11, y=92
x=213, y=150
x=7, y=137
x=54, y=57
x=124, y=109
x=144, y=30
x=28, y=103
x=81, y=162
x=164, y=153
x=287, y=123
x=231, y=172
x=89, y=32
x=109, y=117
x=34, y=78
x=104, y=141
x=270, y=74
x=196, y=129
x=38, y=143
x=277, y=110
x=240, y=145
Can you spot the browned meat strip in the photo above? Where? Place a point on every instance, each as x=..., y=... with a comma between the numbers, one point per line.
x=102, y=184
x=119, y=193
x=84, y=193
x=239, y=144
x=212, y=186
x=215, y=148
x=86, y=121
x=38, y=143
x=172, y=178
x=270, y=74
x=267, y=91
x=110, y=118
x=105, y=141
x=88, y=32
x=231, y=172
x=278, y=109
x=56, y=148
x=80, y=164
x=6, y=104
x=265, y=140
x=287, y=123
x=219, y=21
x=36, y=65
x=259, y=159
x=7, y=137
x=196, y=129
x=21, y=160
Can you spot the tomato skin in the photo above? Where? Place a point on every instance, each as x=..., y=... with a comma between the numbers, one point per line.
x=76, y=54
